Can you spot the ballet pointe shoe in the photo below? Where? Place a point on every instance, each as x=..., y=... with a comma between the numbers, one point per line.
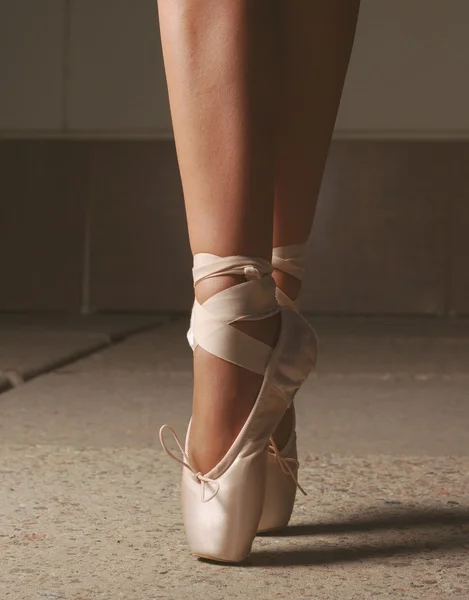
x=282, y=464
x=222, y=508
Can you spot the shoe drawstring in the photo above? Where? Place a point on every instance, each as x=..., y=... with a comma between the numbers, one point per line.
x=284, y=464
x=185, y=462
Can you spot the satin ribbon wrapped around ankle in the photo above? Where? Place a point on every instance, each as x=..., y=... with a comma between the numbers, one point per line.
x=251, y=300
x=289, y=260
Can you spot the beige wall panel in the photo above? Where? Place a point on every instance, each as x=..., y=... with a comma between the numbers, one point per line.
x=117, y=83
x=408, y=73
x=31, y=65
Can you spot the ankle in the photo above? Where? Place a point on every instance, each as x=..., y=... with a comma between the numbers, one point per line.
x=291, y=286
x=265, y=330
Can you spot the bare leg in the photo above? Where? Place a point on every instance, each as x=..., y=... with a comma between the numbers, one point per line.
x=317, y=40
x=219, y=58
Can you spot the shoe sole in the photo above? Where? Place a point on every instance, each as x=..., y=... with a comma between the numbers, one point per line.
x=219, y=560
x=272, y=529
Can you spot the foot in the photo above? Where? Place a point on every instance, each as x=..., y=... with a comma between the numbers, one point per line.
x=224, y=393
x=223, y=494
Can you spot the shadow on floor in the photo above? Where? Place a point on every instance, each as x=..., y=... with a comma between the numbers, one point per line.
x=409, y=532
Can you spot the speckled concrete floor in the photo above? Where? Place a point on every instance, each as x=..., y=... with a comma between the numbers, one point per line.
x=89, y=503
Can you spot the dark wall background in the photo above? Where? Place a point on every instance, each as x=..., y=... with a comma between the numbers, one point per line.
x=100, y=225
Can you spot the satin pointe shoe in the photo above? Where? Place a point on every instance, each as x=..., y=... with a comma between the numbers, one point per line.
x=282, y=464
x=222, y=508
